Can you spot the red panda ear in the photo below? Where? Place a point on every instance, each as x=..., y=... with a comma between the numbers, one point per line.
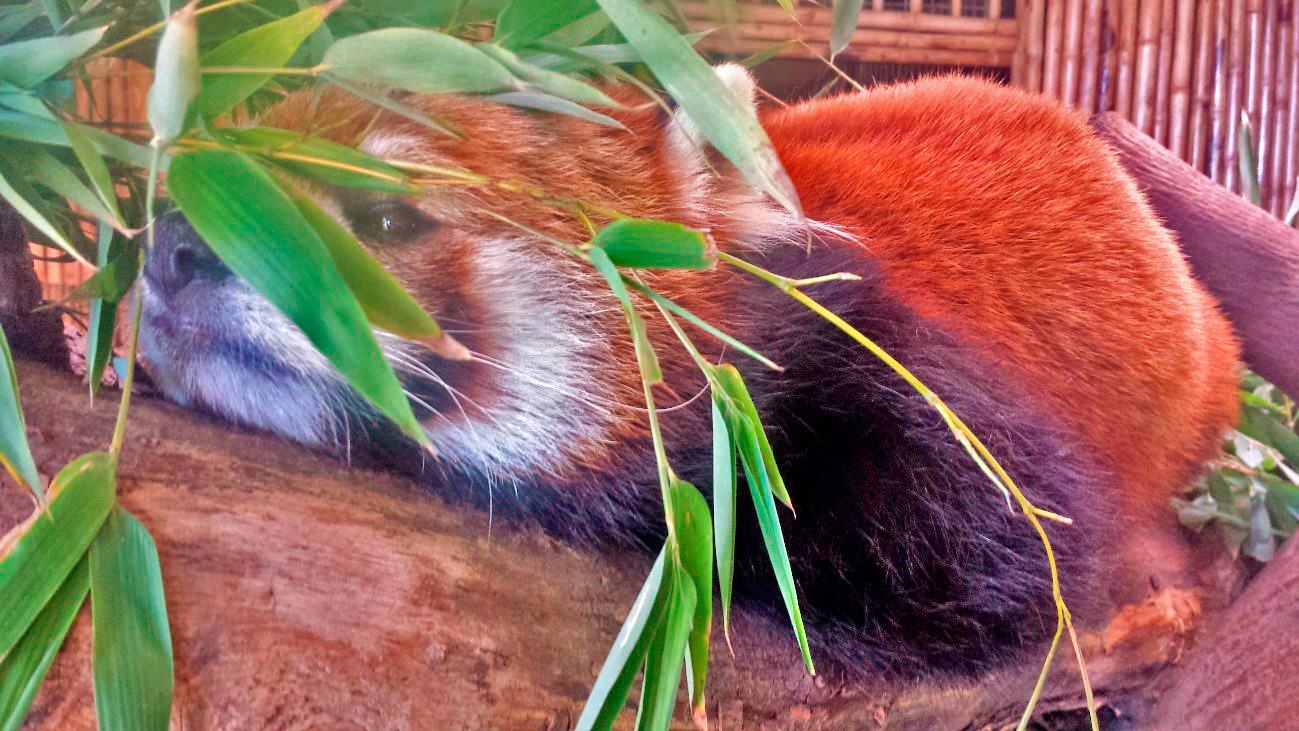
x=690, y=152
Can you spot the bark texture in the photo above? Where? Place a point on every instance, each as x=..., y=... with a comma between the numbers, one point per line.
x=39, y=335
x=307, y=594
x=1243, y=255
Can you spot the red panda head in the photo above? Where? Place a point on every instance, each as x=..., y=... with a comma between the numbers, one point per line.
x=552, y=382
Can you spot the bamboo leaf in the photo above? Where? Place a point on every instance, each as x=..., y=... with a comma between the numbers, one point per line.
x=609, y=693
x=694, y=537
x=15, y=453
x=103, y=314
x=266, y=46
x=666, y=654
x=700, y=323
x=417, y=60
x=23, y=669
x=645, y=357
x=321, y=159
x=253, y=226
x=132, y=648
x=733, y=383
x=37, y=219
x=550, y=103
x=1248, y=162
x=50, y=172
x=843, y=22
x=384, y=300
x=724, y=495
x=28, y=63
x=638, y=243
x=175, y=75
x=546, y=80
x=115, y=276
x=727, y=121
x=96, y=170
x=521, y=22
x=37, y=555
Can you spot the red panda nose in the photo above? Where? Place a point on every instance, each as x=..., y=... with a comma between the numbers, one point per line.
x=180, y=256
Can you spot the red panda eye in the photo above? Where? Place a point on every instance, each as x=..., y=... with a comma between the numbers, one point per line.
x=393, y=222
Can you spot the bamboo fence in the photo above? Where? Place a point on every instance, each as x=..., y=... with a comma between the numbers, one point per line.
x=1184, y=71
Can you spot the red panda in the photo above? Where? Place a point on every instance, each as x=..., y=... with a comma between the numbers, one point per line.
x=1004, y=257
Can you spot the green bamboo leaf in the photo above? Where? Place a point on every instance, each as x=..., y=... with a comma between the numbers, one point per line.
x=28, y=63
x=37, y=219
x=727, y=121
x=417, y=60
x=1266, y=428
x=743, y=428
x=694, y=537
x=384, y=300
x=609, y=693
x=24, y=100
x=31, y=128
x=549, y=103
x=733, y=383
x=843, y=22
x=1282, y=500
x=380, y=98
x=602, y=55
x=115, y=276
x=638, y=243
x=132, y=649
x=700, y=323
x=666, y=653
x=13, y=18
x=575, y=33
x=251, y=223
x=23, y=669
x=175, y=75
x=764, y=55
x=44, y=549
x=321, y=159
x=523, y=21
x=267, y=46
x=645, y=356
x=724, y=495
x=15, y=453
x=546, y=80
x=96, y=170
x=48, y=171
x=103, y=314
x=1248, y=161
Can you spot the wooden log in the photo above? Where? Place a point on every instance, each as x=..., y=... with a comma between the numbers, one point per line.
x=1230, y=678
x=1127, y=57
x=1052, y=48
x=1204, y=75
x=1237, y=92
x=1072, y=61
x=1146, y=79
x=1179, y=95
x=1164, y=69
x=1244, y=256
x=1093, y=19
x=303, y=593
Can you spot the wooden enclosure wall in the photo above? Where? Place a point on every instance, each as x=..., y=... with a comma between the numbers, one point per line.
x=1184, y=71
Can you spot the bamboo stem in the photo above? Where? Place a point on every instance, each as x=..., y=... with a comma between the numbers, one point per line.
x=1093, y=19
x=1035, y=19
x=1126, y=45
x=1265, y=114
x=1163, y=75
x=1052, y=48
x=1236, y=94
x=1072, y=62
x=1143, y=97
x=1279, y=146
x=1202, y=86
x=1179, y=95
x=1292, y=153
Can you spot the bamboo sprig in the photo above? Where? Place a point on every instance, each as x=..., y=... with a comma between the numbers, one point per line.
x=1064, y=620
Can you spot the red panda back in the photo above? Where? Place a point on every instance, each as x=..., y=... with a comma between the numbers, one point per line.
x=1000, y=215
